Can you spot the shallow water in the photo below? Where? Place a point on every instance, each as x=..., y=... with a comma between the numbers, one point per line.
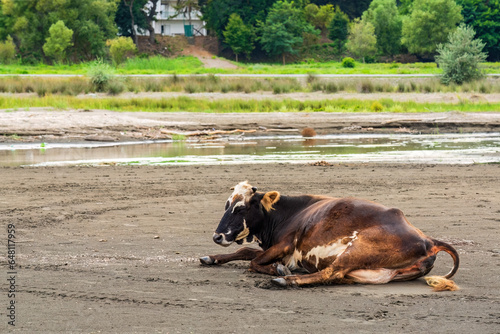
x=395, y=148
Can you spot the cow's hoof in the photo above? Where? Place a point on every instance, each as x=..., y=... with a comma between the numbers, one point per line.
x=279, y=282
x=207, y=260
x=283, y=270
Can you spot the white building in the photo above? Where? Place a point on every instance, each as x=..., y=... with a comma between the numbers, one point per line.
x=168, y=24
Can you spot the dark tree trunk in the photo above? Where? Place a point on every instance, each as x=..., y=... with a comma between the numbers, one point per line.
x=130, y=4
x=151, y=17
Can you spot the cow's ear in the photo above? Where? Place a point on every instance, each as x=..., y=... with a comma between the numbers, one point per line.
x=269, y=199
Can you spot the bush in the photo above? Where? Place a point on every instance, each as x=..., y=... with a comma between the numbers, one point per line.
x=100, y=75
x=461, y=56
x=348, y=62
x=7, y=51
x=366, y=87
x=377, y=106
x=121, y=48
x=115, y=86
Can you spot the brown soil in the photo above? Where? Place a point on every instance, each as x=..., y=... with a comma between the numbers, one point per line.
x=208, y=59
x=115, y=249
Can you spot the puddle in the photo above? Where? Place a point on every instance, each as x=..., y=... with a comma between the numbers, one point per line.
x=396, y=148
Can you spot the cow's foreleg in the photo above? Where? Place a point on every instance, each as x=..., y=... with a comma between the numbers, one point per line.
x=245, y=253
x=267, y=262
x=327, y=275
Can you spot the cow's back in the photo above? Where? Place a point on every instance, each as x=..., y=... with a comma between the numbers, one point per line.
x=332, y=226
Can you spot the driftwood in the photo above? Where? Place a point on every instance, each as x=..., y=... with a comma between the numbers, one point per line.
x=205, y=132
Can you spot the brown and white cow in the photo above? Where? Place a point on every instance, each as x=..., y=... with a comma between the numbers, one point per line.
x=336, y=240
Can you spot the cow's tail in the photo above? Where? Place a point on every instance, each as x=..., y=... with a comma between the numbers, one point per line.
x=443, y=283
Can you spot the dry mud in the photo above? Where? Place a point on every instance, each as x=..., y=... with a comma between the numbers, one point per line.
x=48, y=125
x=115, y=249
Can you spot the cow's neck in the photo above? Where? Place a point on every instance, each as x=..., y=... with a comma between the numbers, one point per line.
x=278, y=221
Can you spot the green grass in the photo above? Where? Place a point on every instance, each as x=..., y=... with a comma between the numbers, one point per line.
x=238, y=105
x=192, y=65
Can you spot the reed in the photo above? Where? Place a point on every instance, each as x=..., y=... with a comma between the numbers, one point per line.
x=236, y=105
x=82, y=85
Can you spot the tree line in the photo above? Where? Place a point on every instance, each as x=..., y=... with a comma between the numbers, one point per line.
x=82, y=30
x=382, y=28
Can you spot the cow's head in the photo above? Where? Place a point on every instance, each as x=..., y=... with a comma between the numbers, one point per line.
x=245, y=210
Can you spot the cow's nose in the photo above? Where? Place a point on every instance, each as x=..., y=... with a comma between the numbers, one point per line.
x=218, y=238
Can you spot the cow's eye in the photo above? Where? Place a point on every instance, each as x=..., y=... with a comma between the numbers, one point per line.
x=238, y=209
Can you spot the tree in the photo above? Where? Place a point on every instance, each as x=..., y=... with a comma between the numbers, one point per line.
x=353, y=8
x=484, y=18
x=404, y=7
x=282, y=32
x=362, y=41
x=120, y=48
x=461, y=56
x=384, y=16
x=129, y=4
x=239, y=36
x=130, y=18
x=28, y=22
x=310, y=12
x=150, y=15
x=338, y=29
x=429, y=23
x=216, y=13
x=58, y=41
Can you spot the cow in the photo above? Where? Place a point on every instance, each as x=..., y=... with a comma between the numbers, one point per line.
x=334, y=240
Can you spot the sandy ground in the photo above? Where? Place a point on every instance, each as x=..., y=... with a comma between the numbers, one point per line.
x=46, y=125
x=115, y=249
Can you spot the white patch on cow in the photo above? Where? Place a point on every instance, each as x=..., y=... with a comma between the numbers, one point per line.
x=292, y=262
x=332, y=249
x=335, y=248
x=353, y=237
x=254, y=239
x=240, y=203
x=372, y=276
x=243, y=190
x=244, y=233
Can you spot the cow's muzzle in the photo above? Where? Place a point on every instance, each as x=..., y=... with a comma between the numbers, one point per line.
x=220, y=239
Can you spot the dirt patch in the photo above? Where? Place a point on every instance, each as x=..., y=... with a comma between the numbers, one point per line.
x=208, y=59
x=115, y=249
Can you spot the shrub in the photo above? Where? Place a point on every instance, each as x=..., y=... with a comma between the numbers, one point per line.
x=366, y=87
x=100, y=74
x=115, y=86
x=331, y=87
x=7, y=51
x=348, y=62
x=377, y=106
x=121, y=48
x=461, y=56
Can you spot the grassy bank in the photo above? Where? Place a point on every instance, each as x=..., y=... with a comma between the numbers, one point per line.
x=82, y=85
x=238, y=105
x=191, y=65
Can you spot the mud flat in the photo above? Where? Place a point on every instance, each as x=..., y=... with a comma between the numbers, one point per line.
x=47, y=125
x=115, y=249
